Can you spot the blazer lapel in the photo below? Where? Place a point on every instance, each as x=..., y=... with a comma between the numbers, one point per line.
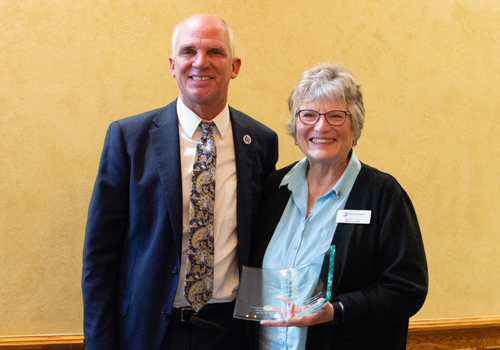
x=244, y=151
x=165, y=139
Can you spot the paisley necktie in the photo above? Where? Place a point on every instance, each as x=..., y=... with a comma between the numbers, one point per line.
x=199, y=280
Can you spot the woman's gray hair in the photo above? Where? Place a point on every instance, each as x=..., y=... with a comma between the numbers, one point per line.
x=328, y=81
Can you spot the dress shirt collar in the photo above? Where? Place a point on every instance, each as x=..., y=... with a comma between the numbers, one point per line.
x=297, y=176
x=189, y=121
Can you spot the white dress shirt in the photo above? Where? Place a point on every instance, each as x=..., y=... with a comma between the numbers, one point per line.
x=225, y=238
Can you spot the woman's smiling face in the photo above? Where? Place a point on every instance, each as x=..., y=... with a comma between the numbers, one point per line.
x=322, y=142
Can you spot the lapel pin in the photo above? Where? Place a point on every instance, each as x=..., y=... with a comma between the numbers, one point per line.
x=247, y=139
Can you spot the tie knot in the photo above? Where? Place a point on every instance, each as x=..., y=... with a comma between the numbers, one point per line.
x=207, y=128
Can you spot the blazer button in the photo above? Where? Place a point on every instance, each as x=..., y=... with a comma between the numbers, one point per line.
x=175, y=271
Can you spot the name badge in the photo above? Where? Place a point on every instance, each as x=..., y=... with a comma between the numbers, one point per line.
x=354, y=216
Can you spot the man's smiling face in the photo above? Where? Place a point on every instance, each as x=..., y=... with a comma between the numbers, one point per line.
x=202, y=62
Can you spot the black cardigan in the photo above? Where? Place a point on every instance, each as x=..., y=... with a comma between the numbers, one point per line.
x=380, y=273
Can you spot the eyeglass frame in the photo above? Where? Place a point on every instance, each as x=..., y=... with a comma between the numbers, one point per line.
x=320, y=114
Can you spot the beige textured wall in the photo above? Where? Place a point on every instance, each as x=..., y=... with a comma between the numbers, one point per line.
x=430, y=72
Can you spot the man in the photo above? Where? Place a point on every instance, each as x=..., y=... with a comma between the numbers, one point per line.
x=148, y=229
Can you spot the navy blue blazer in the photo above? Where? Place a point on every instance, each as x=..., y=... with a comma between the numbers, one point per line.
x=131, y=256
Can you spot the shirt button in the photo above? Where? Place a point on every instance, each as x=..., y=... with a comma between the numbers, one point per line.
x=175, y=271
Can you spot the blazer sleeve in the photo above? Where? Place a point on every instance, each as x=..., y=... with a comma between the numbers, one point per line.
x=106, y=227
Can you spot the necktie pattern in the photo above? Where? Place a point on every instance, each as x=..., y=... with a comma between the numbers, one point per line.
x=199, y=281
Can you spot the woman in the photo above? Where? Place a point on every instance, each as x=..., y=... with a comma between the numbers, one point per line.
x=380, y=275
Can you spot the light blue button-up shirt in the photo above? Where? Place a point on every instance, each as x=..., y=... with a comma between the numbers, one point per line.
x=298, y=240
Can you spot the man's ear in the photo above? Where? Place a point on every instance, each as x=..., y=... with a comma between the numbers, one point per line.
x=172, y=66
x=236, y=67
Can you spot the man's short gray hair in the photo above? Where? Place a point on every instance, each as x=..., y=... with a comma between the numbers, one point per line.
x=224, y=23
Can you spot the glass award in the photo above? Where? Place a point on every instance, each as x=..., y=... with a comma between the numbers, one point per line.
x=266, y=294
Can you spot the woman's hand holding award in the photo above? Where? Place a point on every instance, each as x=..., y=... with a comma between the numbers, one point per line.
x=269, y=294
